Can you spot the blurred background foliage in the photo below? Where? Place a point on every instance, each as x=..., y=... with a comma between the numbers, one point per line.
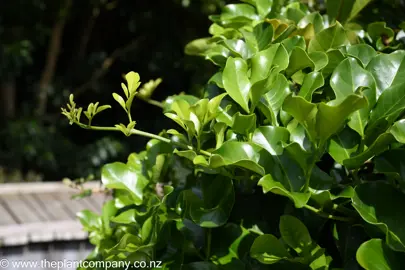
x=50, y=48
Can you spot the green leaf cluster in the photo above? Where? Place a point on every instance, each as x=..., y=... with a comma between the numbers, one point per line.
x=293, y=161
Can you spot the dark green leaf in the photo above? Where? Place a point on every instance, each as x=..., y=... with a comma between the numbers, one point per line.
x=268, y=249
x=370, y=200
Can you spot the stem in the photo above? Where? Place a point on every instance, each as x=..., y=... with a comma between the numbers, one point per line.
x=326, y=215
x=155, y=103
x=145, y=134
x=344, y=210
x=129, y=117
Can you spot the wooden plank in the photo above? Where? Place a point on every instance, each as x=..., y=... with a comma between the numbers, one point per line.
x=22, y=234
x=73, y=205
x=99, y=199
x=23, y=212
x=53, y=207
x=41, y=187
x=36, y=205
x=6, y=218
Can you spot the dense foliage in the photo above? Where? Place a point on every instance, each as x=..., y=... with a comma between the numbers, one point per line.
x=291, y=160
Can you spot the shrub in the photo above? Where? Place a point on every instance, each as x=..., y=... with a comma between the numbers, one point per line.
x=291, y=160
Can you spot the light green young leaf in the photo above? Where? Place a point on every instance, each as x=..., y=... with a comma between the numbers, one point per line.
x=120, y=100
x=132, y=79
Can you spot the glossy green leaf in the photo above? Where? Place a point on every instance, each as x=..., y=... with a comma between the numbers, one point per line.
x=358, y=6
x=334, y=59
x=172, y=99
x=268, y=249
x=264, y=7
x=376, y=255
x=388, y=70
x=292, y=42
x=398, y=131
x=330, y=38
x=215, y=206
x=320, y=60
x=316, y=117
x=370, y=200
x=389, y=106
x=365, y=53
x=263, y=62
x=345, y=80
x=343, y=145
x=120, y=100
x=241, y=154
x=243, y=124
x=218, y=55
x=379, y=145
x=294, y=13
x=271, y=138
x=235, y=11
x=118, y=175
x=312, y=82
x=263, y=34
x=127, y=217
x=339, y=10
x=271, y=102
x=286, y=179
x=377, y=29
x=294, y=233
x=89, y=220
x=299, y=60
x=239, y=48
x=236, y=81
x=315, y=18
x=325, y=197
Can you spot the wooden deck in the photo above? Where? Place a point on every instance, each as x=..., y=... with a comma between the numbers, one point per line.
x=43, y=212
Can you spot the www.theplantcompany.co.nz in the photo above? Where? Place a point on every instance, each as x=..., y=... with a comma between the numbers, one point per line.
x=71, y=264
